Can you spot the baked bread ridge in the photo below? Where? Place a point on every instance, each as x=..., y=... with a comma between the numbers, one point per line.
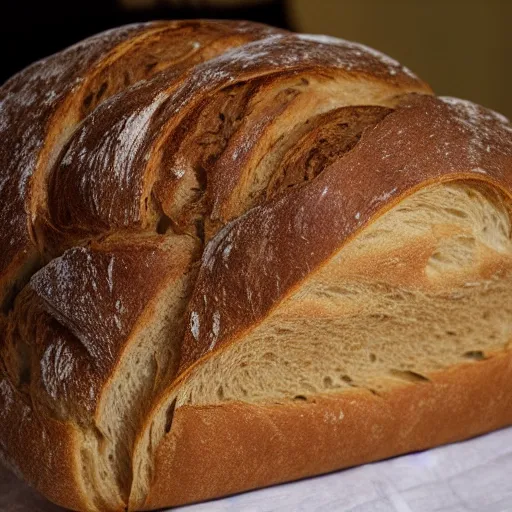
x=426, y=142
x=25, y=430
x=121, y=123
x=41, y=106
x=37, y=115
x=157, y=110
x=404, y=152
x=122, y=293
x=251, y=445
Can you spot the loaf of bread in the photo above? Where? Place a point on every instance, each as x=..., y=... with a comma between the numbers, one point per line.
x=235, y=256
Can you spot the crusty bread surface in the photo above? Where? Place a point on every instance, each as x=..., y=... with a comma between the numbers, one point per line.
x=236, y=256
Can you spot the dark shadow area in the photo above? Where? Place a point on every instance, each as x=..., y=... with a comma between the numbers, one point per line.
x=31, y=29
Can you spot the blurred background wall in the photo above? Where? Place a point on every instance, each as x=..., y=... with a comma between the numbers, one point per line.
x=462, y=47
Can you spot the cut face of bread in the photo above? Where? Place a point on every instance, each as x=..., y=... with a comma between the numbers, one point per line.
x=372, y=319
x=424, y=288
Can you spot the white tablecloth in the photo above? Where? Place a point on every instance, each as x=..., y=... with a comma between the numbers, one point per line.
x=475, y=475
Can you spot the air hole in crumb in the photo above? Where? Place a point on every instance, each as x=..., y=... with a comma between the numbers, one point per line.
x=477, y=355
x=101, y=90
x=328, y=382
x=456, y=213
x=346, y=378
x=408, y=375
x=451, y=333
x=88, y=100
x=373, y=358
x=164, y=223
x=300, y=398
x=269, y=356
x=486, y=315
x=220, y=393
x=169, y=415
x=379, y=316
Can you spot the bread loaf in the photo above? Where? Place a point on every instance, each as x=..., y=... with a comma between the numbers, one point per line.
x=236, y=256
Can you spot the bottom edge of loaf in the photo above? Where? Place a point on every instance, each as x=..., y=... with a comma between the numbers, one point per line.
x=223, y=449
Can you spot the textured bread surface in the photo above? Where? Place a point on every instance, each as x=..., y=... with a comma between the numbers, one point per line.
x=371, y=319
x=236, y=256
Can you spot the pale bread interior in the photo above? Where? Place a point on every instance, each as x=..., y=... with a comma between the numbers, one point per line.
x=427, y=286
x=150, y=360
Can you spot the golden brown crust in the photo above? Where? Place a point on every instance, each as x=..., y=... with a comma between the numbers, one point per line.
x=79, y=312
x=127, y=134
x=72, y=325
x=34, y=105
x=41, y=106
x=101, y=182
x=44, y=451
x=68, y=332
x=222, y=449
x=426, y=140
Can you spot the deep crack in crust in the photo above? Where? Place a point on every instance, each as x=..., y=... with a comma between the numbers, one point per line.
x=126, y=203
